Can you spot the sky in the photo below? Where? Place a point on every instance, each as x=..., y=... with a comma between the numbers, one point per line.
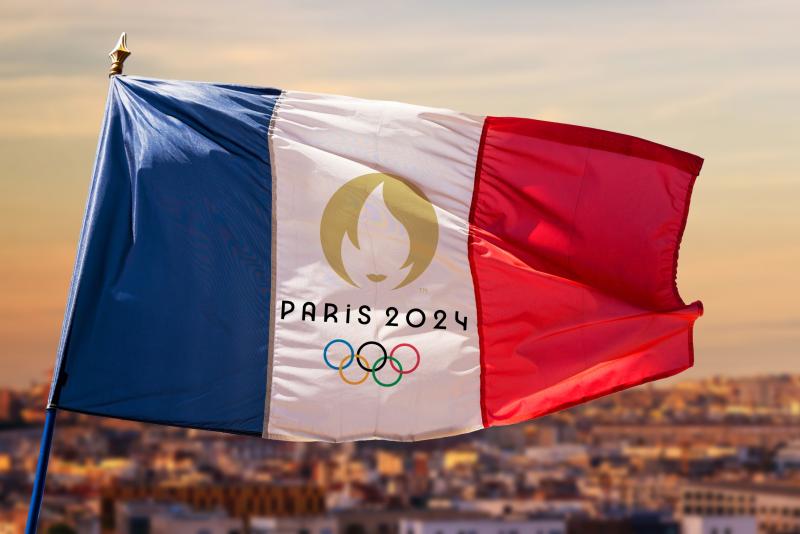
x=720, y=79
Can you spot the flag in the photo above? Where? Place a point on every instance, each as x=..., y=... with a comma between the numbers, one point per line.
x=303, y=266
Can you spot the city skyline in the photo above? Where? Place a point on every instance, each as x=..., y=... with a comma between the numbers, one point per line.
x=713, y=451
x=715, y=79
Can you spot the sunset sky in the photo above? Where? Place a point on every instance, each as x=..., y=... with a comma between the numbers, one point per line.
x=719, y=79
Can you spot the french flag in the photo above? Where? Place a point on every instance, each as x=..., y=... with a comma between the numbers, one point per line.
x=303, y=266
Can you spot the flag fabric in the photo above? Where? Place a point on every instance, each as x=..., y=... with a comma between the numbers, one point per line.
x=303, y=266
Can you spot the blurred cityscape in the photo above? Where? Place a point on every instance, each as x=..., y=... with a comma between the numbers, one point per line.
x=715, y=456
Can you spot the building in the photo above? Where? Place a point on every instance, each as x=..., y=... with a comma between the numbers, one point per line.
x=241, y=501
x=293, y=525
x=776, y=508
x=718, y=525
x=767, y=436
x=482, y=526
x=456, y=458
x=383, y=521
x=150, y=518
x=389, y=464
x=496, y=507
x=8, y=405
x=788, y=457
x=637, y=524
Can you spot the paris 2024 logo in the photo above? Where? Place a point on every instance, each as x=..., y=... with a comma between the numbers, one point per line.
x=340, y=219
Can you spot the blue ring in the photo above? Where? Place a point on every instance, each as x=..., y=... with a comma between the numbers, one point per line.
x=325, y=354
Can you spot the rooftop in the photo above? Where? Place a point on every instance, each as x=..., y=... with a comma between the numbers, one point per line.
x=792, y=490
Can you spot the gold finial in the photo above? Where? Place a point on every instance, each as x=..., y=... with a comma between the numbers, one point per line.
x=119, y=55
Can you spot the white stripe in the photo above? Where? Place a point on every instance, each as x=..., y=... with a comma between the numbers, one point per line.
x=319, y=144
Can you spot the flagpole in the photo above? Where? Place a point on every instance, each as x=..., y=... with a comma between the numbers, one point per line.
x=118, y=56
x=41, y=471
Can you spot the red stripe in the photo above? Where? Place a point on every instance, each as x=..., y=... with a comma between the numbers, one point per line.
x=475, y=279
x=573, y=244
x=684, y=219
x=600, y=140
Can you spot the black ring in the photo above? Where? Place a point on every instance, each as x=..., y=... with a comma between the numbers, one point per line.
x=375, y=366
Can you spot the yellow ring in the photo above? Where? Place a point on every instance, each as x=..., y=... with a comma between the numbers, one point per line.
x=354, y=382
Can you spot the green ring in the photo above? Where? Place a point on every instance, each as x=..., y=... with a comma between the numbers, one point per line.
x=389, y=384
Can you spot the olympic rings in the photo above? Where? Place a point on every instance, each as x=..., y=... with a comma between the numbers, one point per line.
x=359, y=358
x=399, y=374
x=400, y=370
x=361, y=351
x=325, y=353
x=364, y=364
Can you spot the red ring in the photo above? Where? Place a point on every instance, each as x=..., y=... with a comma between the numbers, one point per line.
x=411, y=370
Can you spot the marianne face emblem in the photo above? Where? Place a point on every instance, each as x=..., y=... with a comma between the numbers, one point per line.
x=391, y=230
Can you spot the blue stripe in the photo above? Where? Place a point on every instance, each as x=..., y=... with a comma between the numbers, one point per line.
x=168, y=316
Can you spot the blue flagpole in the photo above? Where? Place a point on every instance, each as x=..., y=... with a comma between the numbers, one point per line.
x=41, y=471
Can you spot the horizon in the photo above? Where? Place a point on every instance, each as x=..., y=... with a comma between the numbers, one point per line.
x=721, y=84
x=666, y=383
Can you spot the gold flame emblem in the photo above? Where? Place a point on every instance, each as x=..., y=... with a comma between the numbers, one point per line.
x=404, y=200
